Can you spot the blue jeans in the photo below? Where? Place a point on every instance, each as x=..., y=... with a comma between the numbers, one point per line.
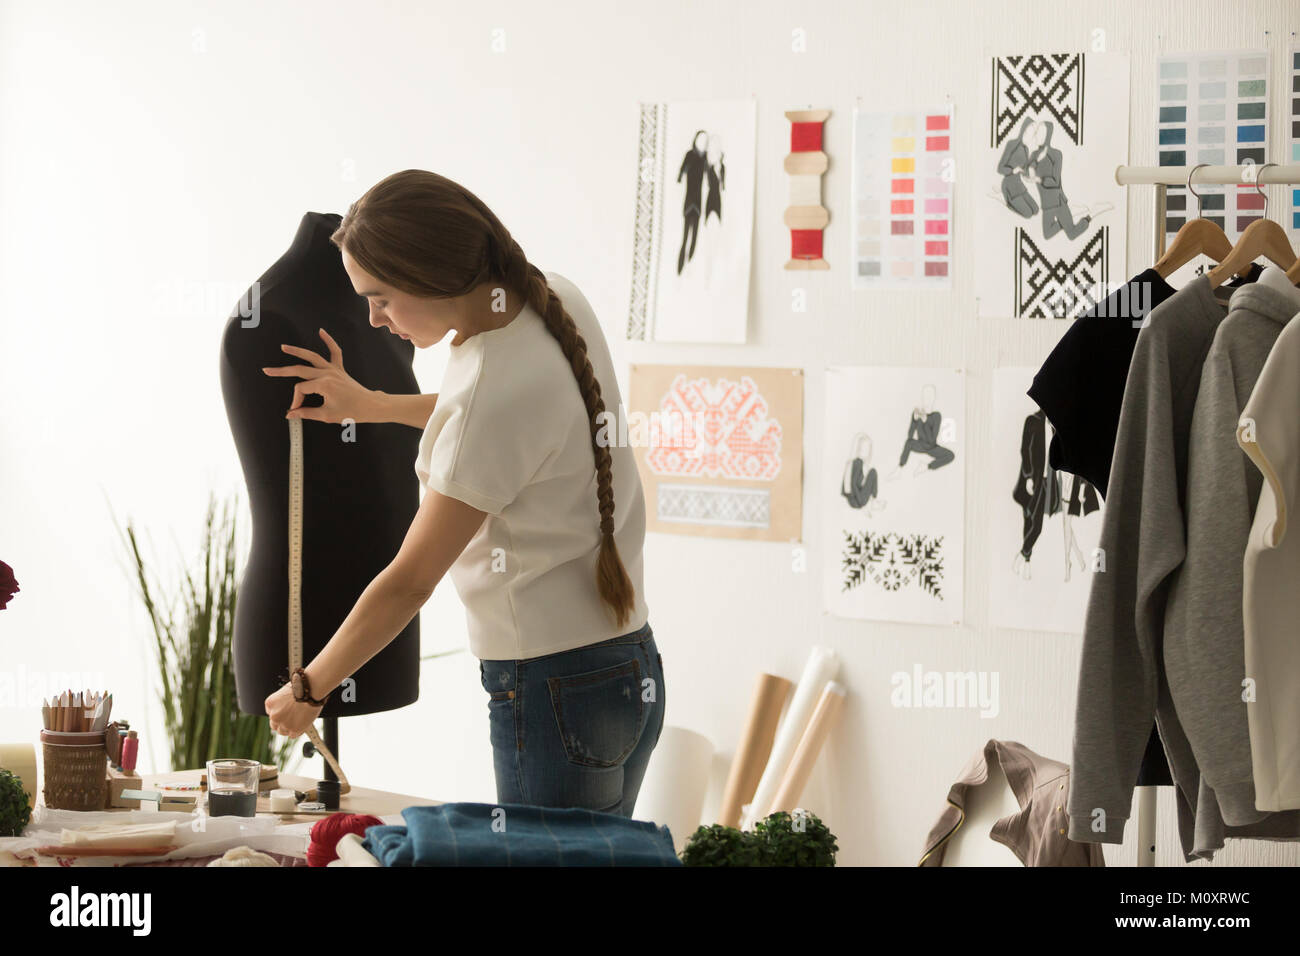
x=576, y=728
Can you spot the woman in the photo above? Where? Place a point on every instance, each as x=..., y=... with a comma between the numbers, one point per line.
x=539, y=521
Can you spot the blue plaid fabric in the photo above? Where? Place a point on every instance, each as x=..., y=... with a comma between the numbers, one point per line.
x=484, y=834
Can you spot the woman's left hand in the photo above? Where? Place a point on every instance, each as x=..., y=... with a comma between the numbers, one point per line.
x=289, y=717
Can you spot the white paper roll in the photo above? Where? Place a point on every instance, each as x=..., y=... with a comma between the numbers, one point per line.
x=676, y=782
x=810, y=747
x=823, y=664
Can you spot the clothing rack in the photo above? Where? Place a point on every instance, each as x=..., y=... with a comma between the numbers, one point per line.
x=1162, y=177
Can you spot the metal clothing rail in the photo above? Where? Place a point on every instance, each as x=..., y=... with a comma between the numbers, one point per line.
x=1162, y=177
x=1266, y=174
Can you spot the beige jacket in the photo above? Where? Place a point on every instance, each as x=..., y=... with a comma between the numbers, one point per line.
x=1037, y=834
x=1269, y=433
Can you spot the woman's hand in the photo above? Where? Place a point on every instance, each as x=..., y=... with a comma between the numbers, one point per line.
x=289, y=717
x=345, y=397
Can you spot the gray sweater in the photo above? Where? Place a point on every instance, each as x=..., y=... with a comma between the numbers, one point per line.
x=1204, y=631
x=1123, y=677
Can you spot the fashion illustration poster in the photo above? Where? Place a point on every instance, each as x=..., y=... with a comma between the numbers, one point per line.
x=893, y=494
x=1048, y=210
x=1045, y=523
x=694, y=224
x=720, y=449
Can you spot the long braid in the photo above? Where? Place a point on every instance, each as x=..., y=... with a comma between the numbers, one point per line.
x=518, y=275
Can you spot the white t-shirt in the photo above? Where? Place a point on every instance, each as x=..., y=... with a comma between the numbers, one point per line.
x=510, y=435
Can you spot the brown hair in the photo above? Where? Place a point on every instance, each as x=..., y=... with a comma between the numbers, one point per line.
x=427, y=236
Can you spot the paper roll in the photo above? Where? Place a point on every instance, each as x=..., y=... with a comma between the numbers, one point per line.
x=20, y=760
x=810, y=745
x=823, y=664
x=770, y=693
x=676, y=782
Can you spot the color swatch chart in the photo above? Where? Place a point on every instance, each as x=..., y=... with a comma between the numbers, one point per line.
x=1213, y=108
x=1295, y=134
x=902, y=199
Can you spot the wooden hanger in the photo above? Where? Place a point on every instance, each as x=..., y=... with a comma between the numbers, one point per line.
x=1263, y=237
x=1197, y=237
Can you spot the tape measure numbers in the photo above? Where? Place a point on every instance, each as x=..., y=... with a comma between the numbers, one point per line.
x=295, y=583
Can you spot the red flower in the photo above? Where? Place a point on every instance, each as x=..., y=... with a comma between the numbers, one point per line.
x=8, y=584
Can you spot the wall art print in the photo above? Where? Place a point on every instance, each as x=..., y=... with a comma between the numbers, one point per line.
x=893, y=494
x=720, y=449
x=1050, y=214
x=1045, y=524
x=903, y=177
x=694, y=226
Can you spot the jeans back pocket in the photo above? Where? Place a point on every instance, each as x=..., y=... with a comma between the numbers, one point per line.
x=599, y=714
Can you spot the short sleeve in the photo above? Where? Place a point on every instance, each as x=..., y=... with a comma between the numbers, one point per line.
x=485, y=441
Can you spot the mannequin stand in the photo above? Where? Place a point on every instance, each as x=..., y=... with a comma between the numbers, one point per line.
x=331, y=741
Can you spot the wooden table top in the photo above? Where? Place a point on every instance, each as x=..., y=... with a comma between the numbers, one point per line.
x=360, y=800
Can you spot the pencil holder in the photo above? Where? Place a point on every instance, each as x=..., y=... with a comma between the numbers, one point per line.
x=75, y=765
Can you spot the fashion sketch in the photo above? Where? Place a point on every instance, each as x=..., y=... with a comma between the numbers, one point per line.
x=1038, y=492
x=716, y=174
x=1029, y=159
x=697, y=167
x=860, y=485
x=1012, y=165
x=923, y=436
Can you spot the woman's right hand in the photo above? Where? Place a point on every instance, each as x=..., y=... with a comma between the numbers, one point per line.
x=344, y=397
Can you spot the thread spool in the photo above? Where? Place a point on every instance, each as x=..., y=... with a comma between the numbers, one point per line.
x=805, y=216
x=283, y=801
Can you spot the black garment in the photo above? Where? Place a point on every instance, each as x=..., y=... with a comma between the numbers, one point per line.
x=923, y=438
x=717, y=183
x=1081, y=384
x=863, y=487
x=1083, y=498
x=1037, y=490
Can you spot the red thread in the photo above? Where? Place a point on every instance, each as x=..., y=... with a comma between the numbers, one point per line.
x=805, y=137
x=326, y=833
x=805, y=243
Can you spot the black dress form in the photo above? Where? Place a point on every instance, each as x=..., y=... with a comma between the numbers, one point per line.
x=359, y=495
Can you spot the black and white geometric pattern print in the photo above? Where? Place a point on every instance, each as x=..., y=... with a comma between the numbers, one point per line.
x=1059, y=288
x=1034, y=85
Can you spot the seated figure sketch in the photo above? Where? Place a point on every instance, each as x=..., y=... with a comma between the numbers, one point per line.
x=923, y=436
x=860, y=485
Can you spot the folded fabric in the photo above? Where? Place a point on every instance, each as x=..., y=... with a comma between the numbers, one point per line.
x=244, y=856
x=484, y=834
x=124, y=835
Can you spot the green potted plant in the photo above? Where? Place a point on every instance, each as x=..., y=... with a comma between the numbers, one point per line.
x=14, y=810
x=192, y=631
x=781, y=839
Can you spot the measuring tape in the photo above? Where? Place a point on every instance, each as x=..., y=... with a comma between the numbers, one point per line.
x=295, y=585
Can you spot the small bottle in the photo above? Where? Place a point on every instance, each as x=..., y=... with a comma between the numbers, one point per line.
x=130, y=747
x=327, y=792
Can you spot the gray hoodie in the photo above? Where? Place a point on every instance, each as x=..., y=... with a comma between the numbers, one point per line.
x=1122, y=677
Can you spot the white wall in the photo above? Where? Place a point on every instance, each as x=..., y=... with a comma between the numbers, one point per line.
x=156, y=157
